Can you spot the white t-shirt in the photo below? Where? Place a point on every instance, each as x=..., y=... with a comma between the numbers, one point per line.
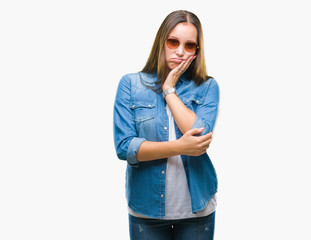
x=177, y=196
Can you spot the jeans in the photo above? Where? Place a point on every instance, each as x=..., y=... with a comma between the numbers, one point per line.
x=184, y=229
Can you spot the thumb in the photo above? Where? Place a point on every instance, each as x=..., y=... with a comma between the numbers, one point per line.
x=194, y=131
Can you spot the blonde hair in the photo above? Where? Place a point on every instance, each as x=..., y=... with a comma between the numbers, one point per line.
x=156, y=62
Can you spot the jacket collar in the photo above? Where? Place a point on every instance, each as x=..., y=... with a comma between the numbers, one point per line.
x=183, y=79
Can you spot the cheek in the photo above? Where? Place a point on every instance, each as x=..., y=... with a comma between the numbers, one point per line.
x=167, y=54
x=167, y=57
x=188, y=55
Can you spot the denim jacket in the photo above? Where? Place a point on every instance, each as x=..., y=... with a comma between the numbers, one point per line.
x=140, y=115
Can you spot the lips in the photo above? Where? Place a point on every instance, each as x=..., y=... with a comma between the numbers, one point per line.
x=178, y=60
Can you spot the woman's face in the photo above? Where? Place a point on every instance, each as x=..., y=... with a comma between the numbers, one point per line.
x=184, y=33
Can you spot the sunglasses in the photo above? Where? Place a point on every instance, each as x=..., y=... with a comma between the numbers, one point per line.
x=190, y=47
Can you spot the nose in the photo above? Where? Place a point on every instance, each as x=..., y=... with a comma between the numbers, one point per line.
x=180, y=51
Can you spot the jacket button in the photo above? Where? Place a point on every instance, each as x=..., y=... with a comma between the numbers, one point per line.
x=162, y=195
x=198, y=101
x=149, y=105
x=165, y=128
x=163, y=172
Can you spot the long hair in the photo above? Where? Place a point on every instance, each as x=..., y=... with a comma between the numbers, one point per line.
x=156, y=62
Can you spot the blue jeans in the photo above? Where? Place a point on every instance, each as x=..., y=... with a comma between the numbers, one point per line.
x=185, y=229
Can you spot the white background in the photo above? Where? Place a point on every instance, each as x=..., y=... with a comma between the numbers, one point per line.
x=60, y=63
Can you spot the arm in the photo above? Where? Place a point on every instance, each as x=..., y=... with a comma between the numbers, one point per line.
x=188, y=144
x=126, y=139
x=183, y=116
x=206, y=113
x=134, y=149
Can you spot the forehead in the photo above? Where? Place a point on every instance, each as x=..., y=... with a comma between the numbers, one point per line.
x=184, y=32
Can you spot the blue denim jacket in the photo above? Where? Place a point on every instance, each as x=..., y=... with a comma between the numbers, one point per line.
x=140, y=115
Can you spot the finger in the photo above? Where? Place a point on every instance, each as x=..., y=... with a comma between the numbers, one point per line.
x=205, y=137
x=180, y=67
x=194, y=131
x=183, y=67
x=202, y=152
x=188, y=62
x=177, y=71
x=206, y=144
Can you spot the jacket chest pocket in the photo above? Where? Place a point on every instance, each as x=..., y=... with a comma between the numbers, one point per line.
x=192, y=102
x=143, y=110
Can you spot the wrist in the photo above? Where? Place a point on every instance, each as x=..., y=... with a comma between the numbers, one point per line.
x=168, y=91
x=178, y=147
x=167, y=86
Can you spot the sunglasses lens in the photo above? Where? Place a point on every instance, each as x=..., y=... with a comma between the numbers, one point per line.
x=172, y=43
x=190, y=47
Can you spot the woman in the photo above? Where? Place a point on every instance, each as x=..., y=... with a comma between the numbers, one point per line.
x=163, y=122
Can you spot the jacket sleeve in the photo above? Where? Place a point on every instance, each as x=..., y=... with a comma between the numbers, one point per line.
x=125, y=136
x=207, y=111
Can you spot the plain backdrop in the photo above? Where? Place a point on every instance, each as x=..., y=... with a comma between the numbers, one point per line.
x=60, y=63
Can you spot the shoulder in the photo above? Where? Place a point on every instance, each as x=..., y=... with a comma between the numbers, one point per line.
x=138, y=79
x=211, y=82
x=208, y=89
x=209, y=85
x=128, y=78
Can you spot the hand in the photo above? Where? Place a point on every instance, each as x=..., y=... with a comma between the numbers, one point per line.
x=194, y=145
x=174, y=75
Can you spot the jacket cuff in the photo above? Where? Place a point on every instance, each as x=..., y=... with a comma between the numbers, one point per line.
x=199, y=123
x=133, y=149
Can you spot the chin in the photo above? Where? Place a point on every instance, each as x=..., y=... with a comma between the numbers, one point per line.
x=171, y=66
